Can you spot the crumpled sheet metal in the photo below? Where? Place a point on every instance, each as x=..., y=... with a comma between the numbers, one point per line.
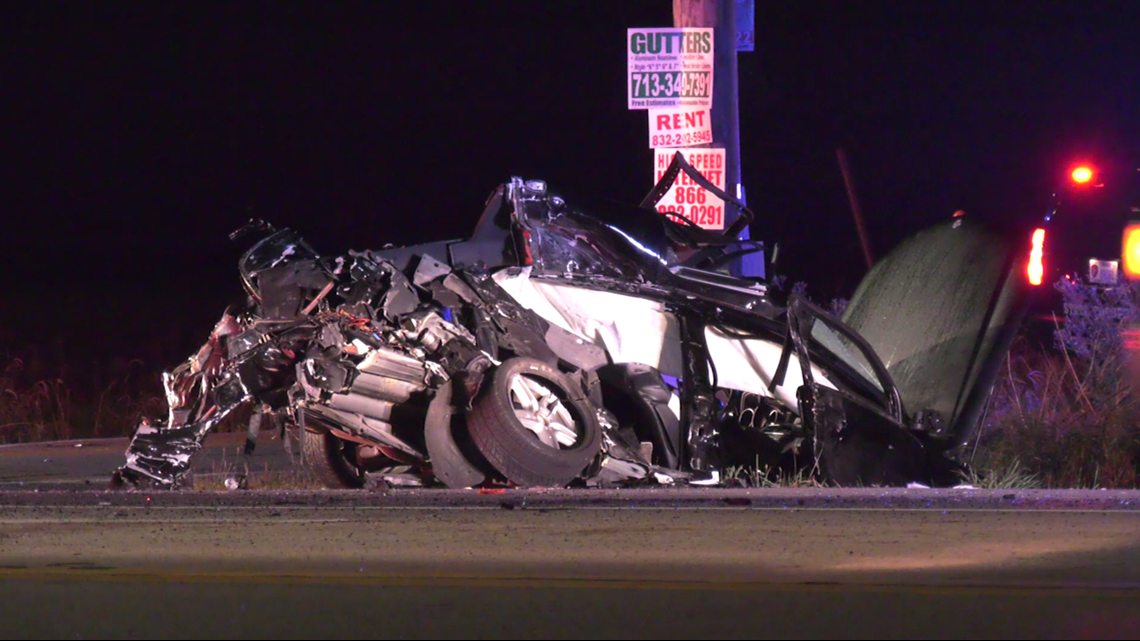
x=164, y=454
x=639, y=330
x=394, y=343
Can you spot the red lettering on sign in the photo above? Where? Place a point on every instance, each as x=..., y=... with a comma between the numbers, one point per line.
x=662, y=121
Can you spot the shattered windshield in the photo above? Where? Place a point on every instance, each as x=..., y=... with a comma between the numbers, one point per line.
x=571, y=244
x=939, y=312
x=275, y=249
x=846, y=351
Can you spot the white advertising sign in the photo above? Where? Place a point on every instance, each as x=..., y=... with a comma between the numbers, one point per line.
x=679, y=127
x=1104, y=272
x=669, y=68
x=687, y=198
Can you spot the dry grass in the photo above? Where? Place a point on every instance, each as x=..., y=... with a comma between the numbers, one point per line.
x=43, y=402
x=1063, y=422
x=1010, y=477
x=40, y=412
x=39, y=403
x=1070, y=417
x=758, y=475
x=295, y=478
x=249, y=474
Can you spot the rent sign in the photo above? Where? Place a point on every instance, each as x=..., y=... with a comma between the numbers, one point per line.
x=686, y=198
x=669, y=68
x=679, y=127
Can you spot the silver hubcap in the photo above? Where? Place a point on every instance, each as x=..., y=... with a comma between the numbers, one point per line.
x=540, y=410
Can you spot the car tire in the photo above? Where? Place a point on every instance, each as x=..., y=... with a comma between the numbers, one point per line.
x=448, y=462
x=327, y=456
x=533, y=425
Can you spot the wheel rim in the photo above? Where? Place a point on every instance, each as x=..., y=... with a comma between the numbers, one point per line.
x=541, y=410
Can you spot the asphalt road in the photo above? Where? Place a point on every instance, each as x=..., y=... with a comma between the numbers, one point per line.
x=481, y=610
x=628, y=563
x=607, y=564
x=88, y=463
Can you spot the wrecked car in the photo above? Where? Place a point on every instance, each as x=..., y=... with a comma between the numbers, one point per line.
x=559, y=345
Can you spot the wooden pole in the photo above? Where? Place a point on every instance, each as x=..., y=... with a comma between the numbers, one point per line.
x=720, y=15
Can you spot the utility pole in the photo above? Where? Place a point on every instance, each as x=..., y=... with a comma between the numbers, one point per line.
x=720, y=15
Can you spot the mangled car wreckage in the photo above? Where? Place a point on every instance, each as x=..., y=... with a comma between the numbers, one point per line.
x=558, y=346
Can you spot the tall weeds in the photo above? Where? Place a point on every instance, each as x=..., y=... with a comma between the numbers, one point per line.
x=1069, y=417
x=43, y=399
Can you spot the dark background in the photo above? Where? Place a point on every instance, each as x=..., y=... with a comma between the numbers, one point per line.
x=136, y=137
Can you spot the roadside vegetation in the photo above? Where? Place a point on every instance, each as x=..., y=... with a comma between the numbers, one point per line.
x=1062, y=415
x=1069, y=416
x=45, y=397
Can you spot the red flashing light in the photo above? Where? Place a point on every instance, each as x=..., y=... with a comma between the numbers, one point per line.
x=1036, y=267
x=1082, y=174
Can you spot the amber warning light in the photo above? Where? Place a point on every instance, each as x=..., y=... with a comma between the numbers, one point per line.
x=1130, y=253
x=1036, y=268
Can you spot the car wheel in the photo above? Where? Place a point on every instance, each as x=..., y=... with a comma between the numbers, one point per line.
x=448, y=462
x=329, y=458
x=533, y=426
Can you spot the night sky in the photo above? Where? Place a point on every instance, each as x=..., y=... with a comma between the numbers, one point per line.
x=137, y=137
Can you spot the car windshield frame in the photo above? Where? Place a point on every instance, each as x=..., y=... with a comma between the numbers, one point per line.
x=269, y=252
x=881, y=385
